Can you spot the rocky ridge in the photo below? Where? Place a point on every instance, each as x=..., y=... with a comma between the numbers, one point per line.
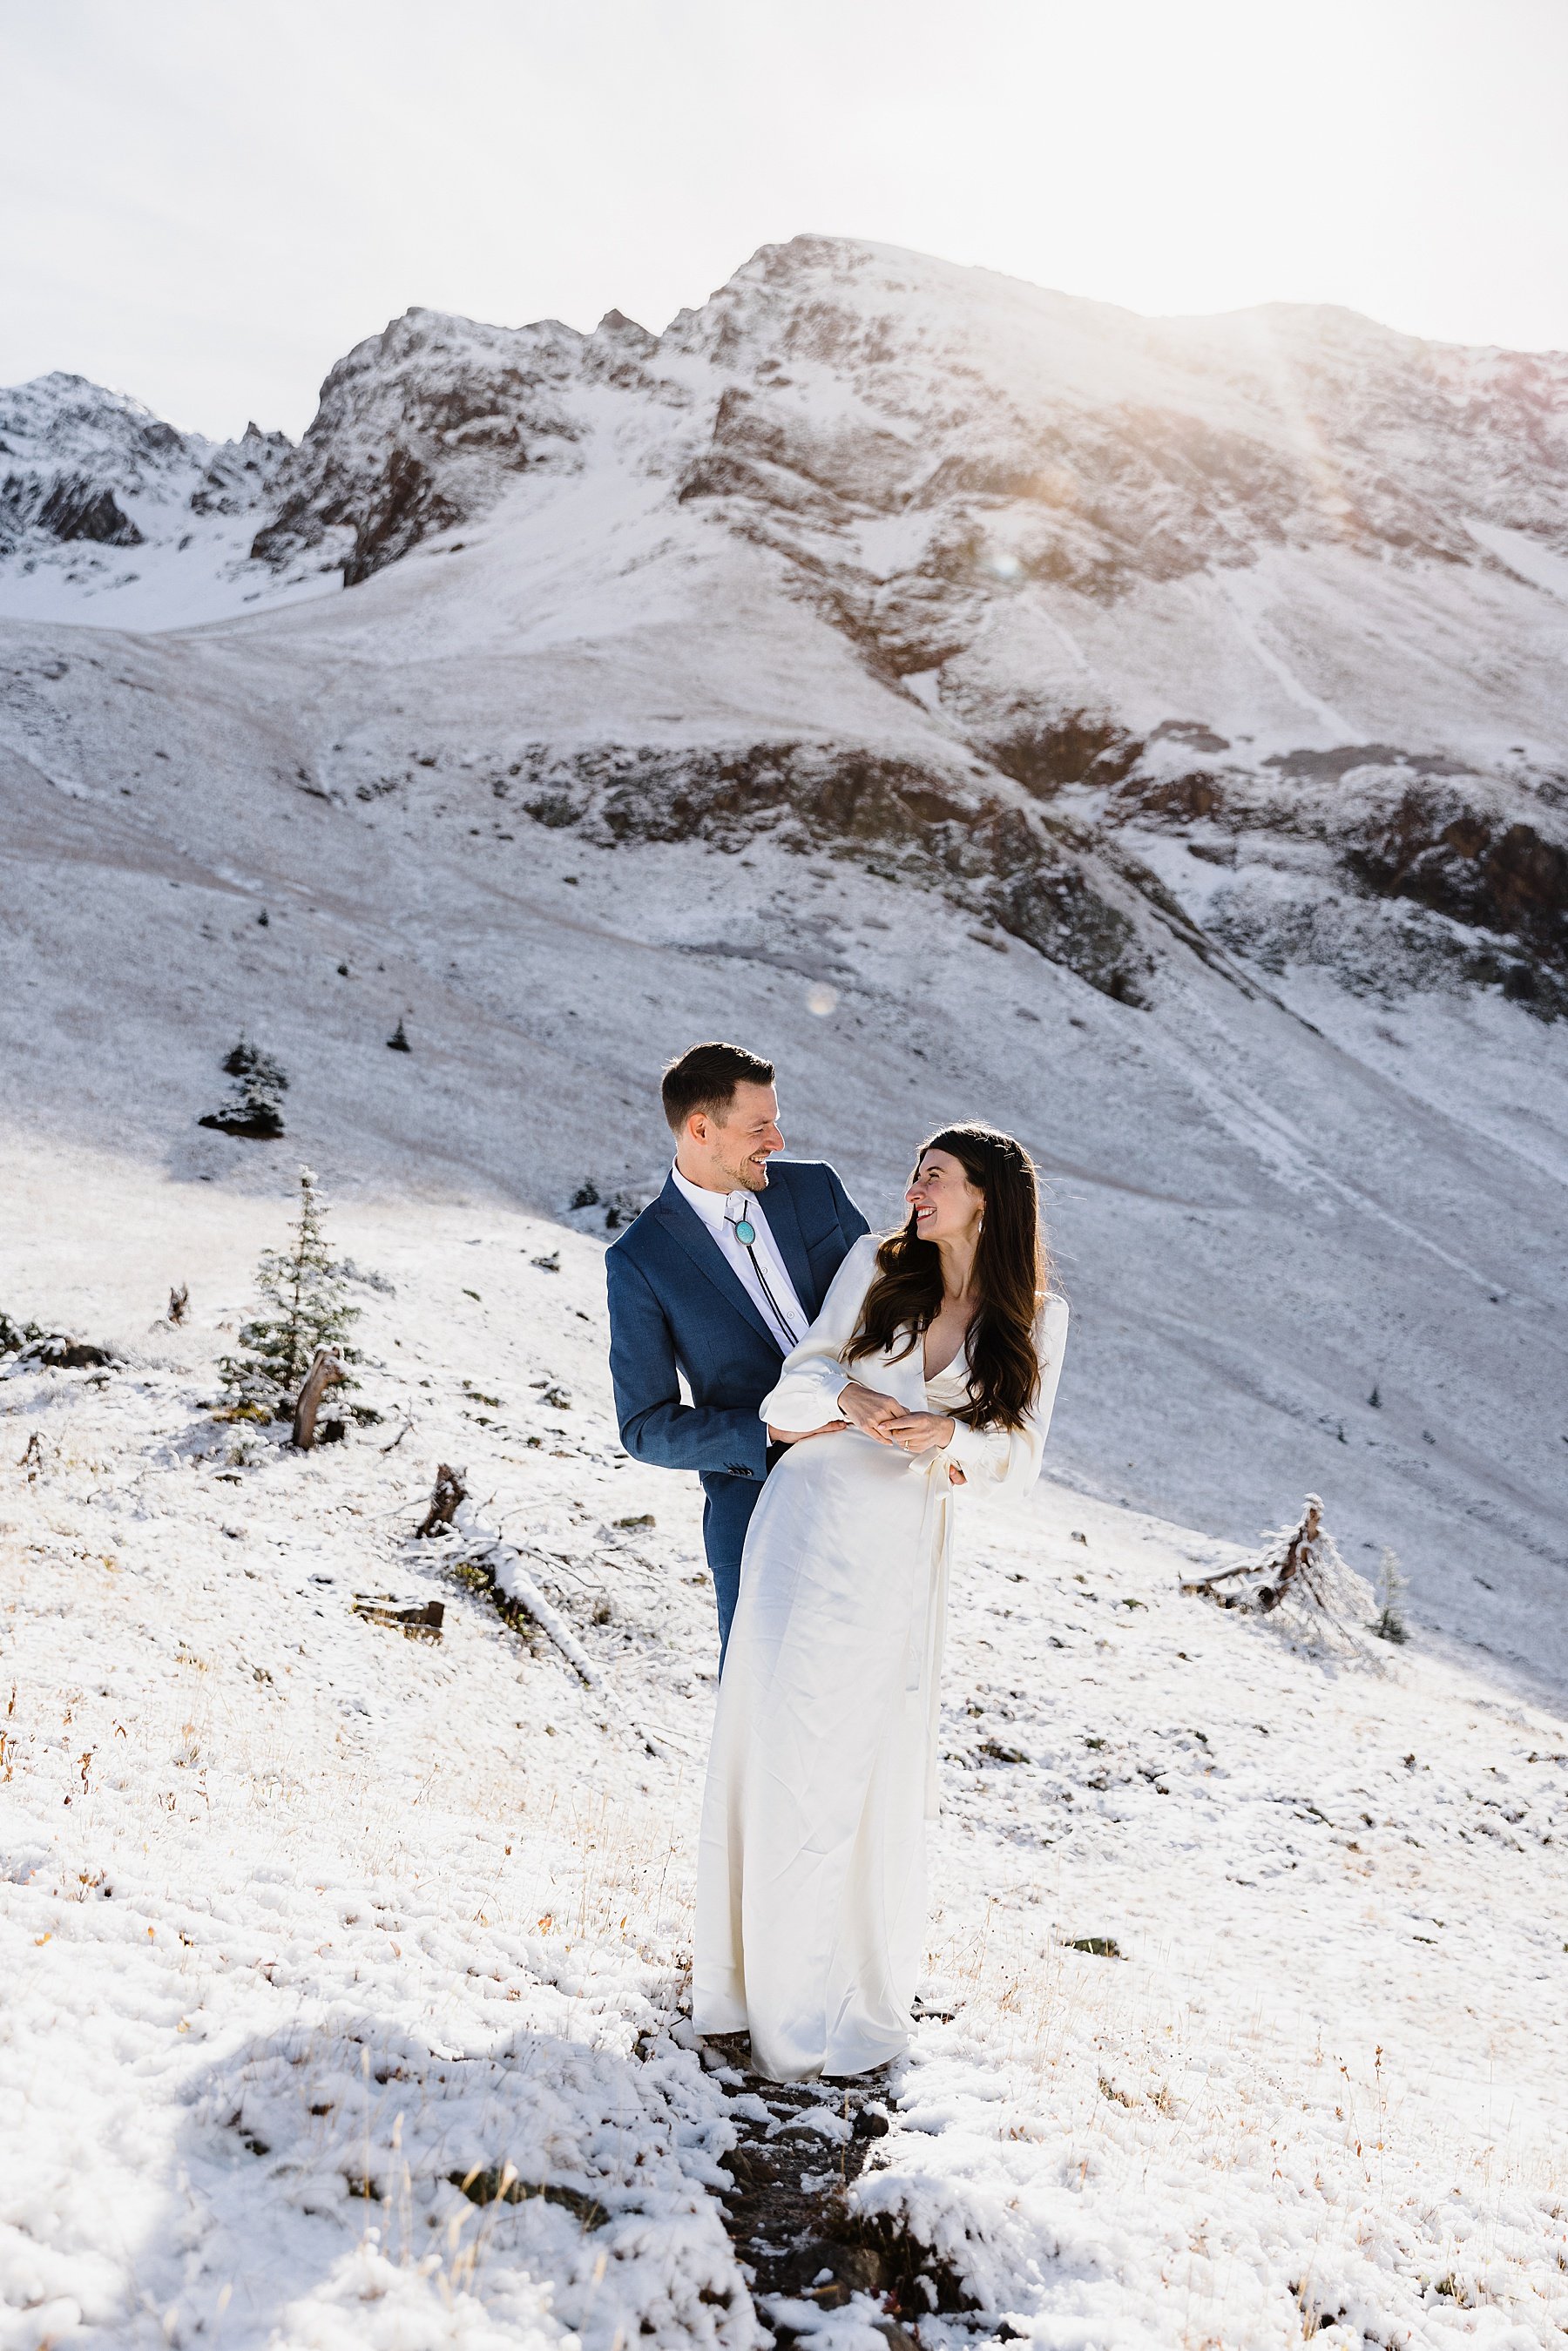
x=81, y=468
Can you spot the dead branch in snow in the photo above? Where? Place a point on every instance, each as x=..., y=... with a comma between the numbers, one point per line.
x=502, y=1562
x=1301, y=1578
x=448, y=1491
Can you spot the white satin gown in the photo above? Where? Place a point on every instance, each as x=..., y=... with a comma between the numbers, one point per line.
x=811, y=1870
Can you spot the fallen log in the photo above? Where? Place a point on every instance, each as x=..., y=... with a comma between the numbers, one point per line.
x=418, y=1620
x=504, y=1565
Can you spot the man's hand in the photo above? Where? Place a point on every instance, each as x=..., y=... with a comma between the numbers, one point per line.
x=799, y=1436
x=868, y=1409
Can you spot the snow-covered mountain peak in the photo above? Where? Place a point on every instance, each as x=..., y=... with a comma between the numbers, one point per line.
x=418, y=427
x=1139, y=446
x=83, y=466
x=98, y=497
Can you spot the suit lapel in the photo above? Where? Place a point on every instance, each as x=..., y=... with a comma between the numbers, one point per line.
x=681, y=1221
x=784, y=1225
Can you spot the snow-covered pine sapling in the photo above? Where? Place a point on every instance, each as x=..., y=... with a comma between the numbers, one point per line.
x=254, y=1107
x=1300, y=1579
x=1392, y=1585
x=303, y=1287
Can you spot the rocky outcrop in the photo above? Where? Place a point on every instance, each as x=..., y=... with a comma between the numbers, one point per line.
x=418, y=428
x=1019, y=871
x=1483, y=868
x=1470, y=872
x=76, y=507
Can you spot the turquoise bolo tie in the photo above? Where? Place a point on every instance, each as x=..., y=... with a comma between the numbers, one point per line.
x=745, y=1232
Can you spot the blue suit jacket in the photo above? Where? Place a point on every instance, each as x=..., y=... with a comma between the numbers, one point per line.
x=675, y=1306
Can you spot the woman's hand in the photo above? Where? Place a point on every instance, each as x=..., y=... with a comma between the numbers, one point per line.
x=919, y=1432
x=868, y=1409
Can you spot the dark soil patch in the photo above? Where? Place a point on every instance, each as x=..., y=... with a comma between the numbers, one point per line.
x=790, y=2214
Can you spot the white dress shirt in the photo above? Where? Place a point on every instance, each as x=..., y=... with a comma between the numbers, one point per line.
x=720, y=1212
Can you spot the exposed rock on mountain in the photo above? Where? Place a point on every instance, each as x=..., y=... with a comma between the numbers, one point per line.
x=76, y=456
x=83, y=469
x=419, y=427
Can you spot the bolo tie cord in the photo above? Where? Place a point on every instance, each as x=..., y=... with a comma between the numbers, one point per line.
x=749, y=1246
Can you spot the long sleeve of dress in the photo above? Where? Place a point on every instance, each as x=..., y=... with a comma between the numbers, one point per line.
x=1007, y=1460
x=806, y=1394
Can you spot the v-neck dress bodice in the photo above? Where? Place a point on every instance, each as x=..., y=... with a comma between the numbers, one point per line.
x=947, y=1391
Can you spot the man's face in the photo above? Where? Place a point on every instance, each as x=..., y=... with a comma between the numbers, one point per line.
x=731, y=1152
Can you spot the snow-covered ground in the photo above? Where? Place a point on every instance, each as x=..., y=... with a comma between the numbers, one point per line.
x=301, y=1918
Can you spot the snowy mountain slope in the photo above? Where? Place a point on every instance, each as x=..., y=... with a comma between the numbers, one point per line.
x=631, y=753
x=302, y=1919
x=1261, y=1221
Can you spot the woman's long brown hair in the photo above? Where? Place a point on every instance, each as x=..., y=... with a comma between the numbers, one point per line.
x=1011, y=1272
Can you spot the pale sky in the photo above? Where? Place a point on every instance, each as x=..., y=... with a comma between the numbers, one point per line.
x=206, y=202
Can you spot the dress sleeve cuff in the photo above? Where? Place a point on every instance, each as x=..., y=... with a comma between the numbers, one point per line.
x=966, y=1447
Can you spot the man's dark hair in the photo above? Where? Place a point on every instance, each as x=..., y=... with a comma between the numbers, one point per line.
x=704, y=1078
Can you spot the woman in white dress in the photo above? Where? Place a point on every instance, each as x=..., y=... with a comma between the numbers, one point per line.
x=938, y=1348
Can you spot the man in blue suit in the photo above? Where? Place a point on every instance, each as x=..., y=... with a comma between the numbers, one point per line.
x=711, y=1282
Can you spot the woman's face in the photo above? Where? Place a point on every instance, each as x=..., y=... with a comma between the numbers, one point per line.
x=947, y=1205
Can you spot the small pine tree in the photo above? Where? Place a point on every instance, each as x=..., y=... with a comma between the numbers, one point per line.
x=254, y=1107
x=250, y=1061
x=1389, y=1622
x=397, y=1042
x=304, y=1288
